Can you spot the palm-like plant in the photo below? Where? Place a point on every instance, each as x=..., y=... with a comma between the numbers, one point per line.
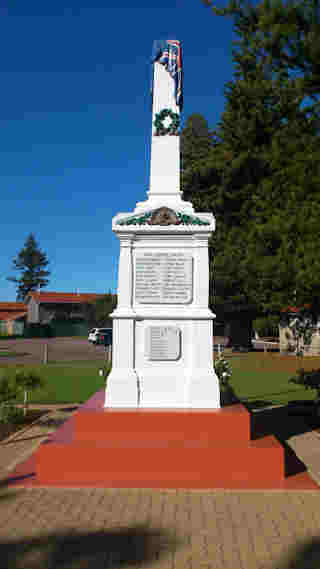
x=28, y=381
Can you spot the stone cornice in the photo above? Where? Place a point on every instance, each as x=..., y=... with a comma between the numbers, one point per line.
x=145, y=219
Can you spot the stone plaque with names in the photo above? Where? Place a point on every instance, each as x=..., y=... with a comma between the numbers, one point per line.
x=163, y=278
x=163, y=343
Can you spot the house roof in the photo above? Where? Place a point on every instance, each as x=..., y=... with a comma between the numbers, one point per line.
x=12, y=315
x=8, y=306
x=63, y=297
x=295, y=309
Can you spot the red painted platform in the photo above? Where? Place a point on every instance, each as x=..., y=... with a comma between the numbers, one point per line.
x=159, y=448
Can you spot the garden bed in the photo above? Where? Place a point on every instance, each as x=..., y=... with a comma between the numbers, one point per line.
x=11, y=354
x=8, y=429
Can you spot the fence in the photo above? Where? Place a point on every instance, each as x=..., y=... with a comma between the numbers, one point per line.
x=12, y=328
x=3, y=328
x=108, y=352
x=17, y=328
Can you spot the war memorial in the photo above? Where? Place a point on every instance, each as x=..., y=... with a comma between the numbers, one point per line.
x=159, y=422
x=162, y=326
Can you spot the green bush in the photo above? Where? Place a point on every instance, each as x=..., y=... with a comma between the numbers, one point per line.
x=267, y=326
x=38, y=330
x=223, y=371
x=310, y=379
x=9, y=391
x=28, y=380
x=11, y=414
x=14, y=382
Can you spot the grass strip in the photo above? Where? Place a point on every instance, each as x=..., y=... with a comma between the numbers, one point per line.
x=66, y=383
x=257, y=378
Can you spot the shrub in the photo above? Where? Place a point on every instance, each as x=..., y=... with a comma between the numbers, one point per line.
x=28, y=381
x=310, y=379
x=12, y=382
x=223, y=371
x=9, y=391
x=267, y=326
x=38, y=330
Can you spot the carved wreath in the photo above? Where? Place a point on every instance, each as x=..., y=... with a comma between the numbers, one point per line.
x=173, y=126
x=164, y=216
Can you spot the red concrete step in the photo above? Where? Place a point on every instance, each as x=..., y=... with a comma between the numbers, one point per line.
x=227, y=424
x=185, y=464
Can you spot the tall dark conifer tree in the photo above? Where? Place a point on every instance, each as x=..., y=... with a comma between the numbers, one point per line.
x=261, y=175
x=31, y=262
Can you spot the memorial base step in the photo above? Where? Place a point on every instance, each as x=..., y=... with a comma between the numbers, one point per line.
x=188, y=464
x=152, y=448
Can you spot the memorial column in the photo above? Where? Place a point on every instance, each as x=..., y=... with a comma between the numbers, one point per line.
x=201, y=273
x=125, y=273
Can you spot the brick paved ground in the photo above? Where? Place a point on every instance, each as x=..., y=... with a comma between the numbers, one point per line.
x=43, y=528
x=76, y=529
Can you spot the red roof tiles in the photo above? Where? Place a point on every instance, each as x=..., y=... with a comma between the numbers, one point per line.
x=64, y=297
x=13, y=306
x=12, y=315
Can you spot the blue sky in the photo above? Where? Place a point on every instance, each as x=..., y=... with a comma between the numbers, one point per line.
x=75, y=122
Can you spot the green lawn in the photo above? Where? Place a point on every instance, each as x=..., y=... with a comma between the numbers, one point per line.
x=263, y=379
x=71, y=383
x=11, y=354
x=258, y=379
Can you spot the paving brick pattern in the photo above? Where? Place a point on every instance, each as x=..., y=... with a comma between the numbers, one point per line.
x=82, y=528
x=18, y=447
x=51, y=528
x=21, y=444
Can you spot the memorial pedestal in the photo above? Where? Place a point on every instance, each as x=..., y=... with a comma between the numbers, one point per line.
x=160, y=448
x=162, y=327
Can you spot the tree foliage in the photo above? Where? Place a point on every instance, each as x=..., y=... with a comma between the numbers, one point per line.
x=31, y=262
x=259, y=172
x=28, y=380
x=98, y=311
x=12, y=383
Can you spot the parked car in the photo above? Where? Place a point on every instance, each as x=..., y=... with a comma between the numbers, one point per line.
x=105, y=338
x=95, y=332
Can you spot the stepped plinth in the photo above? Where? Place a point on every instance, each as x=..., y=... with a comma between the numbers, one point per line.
x=160, y=448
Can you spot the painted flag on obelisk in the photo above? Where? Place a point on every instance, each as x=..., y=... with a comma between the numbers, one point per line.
x=169, y=54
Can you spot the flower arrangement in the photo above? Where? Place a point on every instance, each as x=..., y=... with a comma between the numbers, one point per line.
x=223, y=371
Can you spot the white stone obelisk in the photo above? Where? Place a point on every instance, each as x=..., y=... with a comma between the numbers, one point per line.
x=164, y=186
x=162, y=326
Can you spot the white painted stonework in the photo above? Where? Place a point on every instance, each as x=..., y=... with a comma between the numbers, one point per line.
x=165, y=151
x=162, y=326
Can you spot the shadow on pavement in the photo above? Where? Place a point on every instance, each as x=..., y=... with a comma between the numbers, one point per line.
x=283, y=424
x=7, y=495
x=302, y=556
x=228, y=396
x=79, y=550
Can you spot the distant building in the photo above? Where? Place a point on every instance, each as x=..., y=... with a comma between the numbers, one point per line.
x=13, y=316
x=66, y=312
x=46, y=306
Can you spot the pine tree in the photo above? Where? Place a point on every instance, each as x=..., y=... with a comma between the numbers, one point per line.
x=31, y=263
x=260, y=177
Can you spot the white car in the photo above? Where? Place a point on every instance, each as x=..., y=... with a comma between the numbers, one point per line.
x=94, y=333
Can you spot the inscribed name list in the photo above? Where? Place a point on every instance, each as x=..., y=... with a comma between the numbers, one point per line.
x=163, y=278
x=163, y=342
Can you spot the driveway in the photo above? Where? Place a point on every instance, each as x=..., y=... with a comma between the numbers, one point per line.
x=32, y=350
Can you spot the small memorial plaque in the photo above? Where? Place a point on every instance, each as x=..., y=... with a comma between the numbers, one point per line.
x=163, y=342
x=163, y=278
